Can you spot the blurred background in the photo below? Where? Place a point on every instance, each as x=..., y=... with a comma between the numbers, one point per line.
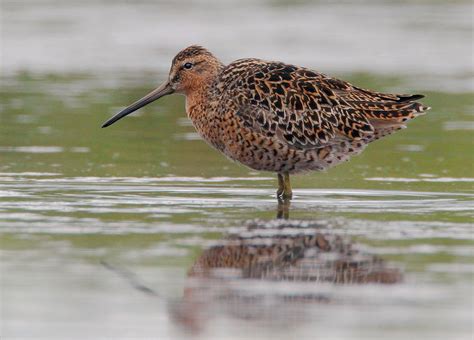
x=148, y=195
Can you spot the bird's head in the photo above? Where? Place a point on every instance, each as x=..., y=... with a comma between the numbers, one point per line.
x=191, y=69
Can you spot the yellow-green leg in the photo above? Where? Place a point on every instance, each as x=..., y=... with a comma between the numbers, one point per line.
x=284, y=186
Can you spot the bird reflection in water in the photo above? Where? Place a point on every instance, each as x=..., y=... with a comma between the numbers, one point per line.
x=271, y=270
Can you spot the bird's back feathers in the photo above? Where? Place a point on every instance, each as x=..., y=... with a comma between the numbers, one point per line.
x=306, y=109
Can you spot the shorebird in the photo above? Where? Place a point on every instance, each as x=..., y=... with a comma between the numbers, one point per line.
x=278, y=117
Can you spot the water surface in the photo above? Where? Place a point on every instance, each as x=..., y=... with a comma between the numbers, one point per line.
x=147, y=196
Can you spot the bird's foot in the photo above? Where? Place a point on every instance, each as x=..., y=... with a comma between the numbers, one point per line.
x=284, y=194
x=279, y=192
x=284, y=187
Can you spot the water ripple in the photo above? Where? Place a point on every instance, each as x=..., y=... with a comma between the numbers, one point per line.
x=192, y=204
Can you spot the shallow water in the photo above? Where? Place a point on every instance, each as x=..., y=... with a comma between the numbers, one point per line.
x=99, y=228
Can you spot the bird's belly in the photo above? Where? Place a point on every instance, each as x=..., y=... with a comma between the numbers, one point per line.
x=264, y=153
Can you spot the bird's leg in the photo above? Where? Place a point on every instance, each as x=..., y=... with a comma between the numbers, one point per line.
x=287, y=193
x=284, y=186
x=281, y=185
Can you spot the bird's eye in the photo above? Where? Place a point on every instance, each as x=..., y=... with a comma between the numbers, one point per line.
x=187, y=66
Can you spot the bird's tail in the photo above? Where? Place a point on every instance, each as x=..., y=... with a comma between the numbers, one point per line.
x=389, y=117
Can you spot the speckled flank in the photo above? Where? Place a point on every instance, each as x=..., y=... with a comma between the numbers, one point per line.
x=283, y=118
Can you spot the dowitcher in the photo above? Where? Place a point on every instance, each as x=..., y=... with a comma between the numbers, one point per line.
x=277, y=117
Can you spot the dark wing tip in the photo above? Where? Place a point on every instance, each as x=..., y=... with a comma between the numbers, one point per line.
x=410, y=98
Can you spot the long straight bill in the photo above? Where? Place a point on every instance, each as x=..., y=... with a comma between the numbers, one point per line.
x=161, y=91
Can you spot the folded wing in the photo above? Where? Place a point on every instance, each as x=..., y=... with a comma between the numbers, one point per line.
x=306, y=109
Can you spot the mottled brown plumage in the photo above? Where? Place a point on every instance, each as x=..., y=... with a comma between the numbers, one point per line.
x=277, y=117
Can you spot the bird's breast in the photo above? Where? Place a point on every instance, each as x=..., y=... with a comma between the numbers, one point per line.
x=205, y=121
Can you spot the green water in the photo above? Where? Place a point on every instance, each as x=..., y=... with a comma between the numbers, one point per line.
x=149, y=196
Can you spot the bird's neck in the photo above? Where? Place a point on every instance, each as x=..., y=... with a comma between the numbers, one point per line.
x=200, y=108
x=199, y=99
